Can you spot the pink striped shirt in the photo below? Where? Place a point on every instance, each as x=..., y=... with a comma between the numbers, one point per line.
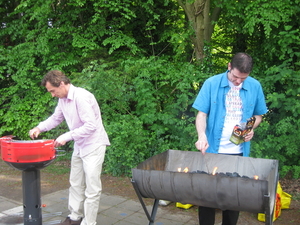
x=83, y=116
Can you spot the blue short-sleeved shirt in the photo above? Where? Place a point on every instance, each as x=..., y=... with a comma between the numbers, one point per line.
x=211, y=100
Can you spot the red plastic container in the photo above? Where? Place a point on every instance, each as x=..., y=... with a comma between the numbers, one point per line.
x=33, y=151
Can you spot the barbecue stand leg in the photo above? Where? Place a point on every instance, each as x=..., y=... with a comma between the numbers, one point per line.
x=154, y=208
x=32, y=197
x=268, y=214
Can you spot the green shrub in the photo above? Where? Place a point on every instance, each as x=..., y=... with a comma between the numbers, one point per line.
x=278, y=137
x=146, y=106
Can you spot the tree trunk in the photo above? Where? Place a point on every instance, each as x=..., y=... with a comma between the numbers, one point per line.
x=200, y=18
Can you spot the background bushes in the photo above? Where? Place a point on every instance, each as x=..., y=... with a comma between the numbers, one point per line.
x=139, y=59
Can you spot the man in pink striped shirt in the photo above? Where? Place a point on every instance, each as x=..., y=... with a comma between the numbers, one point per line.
x=79, y=108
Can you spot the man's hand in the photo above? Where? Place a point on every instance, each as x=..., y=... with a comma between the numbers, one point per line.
x=249, y=136
x=60, y=141
x=34, y=133
x=202, y=145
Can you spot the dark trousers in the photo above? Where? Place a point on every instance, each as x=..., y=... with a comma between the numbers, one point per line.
x=207, y=216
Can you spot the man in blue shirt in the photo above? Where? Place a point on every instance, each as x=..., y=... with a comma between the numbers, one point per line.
x=224, y=101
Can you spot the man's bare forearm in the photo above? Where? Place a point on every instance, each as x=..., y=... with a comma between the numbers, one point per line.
x=201, y=125
x=202, y=143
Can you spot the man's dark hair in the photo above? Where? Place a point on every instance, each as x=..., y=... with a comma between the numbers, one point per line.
x=242, y=62
x=55, y=77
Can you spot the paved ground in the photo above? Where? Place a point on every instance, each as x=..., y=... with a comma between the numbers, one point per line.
x=114, y=210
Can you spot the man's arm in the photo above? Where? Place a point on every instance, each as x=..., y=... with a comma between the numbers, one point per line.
x=55, y=119
x=202, y=143
x=257, y=121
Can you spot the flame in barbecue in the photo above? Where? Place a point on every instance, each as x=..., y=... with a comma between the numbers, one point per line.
x=186, y=170
x=255, y=177
x=214, y=171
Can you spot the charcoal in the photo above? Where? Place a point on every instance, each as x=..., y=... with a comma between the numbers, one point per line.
x=235, y=174
x=221, y=174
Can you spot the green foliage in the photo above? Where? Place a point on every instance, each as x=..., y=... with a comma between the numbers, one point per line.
x=278, y=136
x=59, y=167
x=146, y=105
x=270, y=14
x=268, y=31
x=37, y=36
x=133, y=55
x=129, y=141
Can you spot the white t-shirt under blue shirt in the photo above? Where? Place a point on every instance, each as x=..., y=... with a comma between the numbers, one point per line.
x=234, y=111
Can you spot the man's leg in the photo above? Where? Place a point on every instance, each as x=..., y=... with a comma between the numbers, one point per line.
x=92, y=164
x=77, y=189
x=206, y=215
x=230, y=217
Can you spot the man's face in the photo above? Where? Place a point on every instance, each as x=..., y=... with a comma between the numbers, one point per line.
x=59, y=92
x=235, y=76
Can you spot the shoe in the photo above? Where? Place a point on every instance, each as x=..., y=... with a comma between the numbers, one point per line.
x=68, y=221
x=78, y=222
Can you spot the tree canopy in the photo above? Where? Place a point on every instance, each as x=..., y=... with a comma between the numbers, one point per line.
x=145, y=62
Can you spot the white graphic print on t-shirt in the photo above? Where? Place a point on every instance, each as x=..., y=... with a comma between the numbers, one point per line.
x=234, y=110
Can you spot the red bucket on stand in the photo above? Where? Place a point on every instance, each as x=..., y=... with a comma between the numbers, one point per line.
x=27, y=154
x=30, y=157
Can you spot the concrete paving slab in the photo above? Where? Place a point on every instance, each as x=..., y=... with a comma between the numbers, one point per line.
x=113, y=210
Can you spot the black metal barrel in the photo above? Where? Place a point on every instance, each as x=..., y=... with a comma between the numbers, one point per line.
x=158, y=178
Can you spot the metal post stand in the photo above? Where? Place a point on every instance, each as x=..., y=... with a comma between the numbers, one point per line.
x=32, y=197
